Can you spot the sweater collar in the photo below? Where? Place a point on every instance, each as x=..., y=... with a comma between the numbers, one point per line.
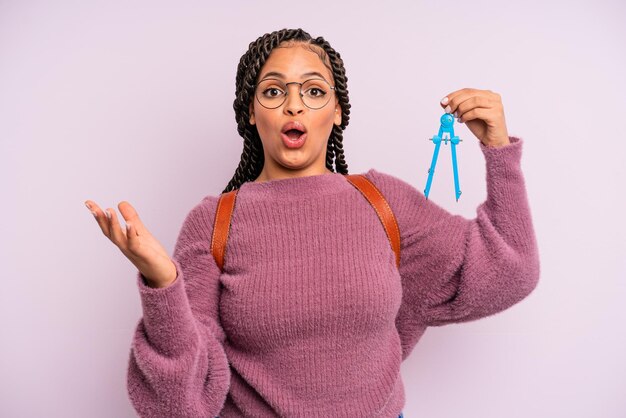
x=296, y=187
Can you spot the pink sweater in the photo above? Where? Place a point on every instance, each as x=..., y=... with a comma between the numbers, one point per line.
x=311, y=317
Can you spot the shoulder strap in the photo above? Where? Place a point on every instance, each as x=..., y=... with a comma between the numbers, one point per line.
x=226, y=205
x=221, y=226
x=382, y=208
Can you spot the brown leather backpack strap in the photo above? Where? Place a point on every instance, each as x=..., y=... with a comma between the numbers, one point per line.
x=221, y=226
x=382, y=208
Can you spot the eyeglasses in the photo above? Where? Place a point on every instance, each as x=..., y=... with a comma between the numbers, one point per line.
x=272, y=93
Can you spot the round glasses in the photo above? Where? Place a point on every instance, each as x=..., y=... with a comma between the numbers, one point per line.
x=272, y=93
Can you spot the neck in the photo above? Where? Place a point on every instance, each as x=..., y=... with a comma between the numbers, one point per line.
x=273, y=174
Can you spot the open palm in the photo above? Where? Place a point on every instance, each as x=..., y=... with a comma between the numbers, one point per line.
x=136, y=243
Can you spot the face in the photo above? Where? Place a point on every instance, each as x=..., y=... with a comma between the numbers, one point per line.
x=282, y=161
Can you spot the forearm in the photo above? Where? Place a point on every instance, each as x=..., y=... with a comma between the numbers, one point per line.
x=500, y=265
x=177, y=365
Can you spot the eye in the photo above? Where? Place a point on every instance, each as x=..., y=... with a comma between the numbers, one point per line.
x=272, y=92
x=315, y=92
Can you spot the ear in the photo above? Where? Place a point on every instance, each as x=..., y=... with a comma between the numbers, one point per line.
x=252, y=118
x=337, y=113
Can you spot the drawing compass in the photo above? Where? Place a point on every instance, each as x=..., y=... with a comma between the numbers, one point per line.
x=446, y=133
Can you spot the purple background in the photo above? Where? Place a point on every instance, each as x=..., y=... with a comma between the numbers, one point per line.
x=119, y=100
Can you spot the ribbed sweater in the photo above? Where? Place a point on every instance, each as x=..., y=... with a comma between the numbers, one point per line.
x=311, y=317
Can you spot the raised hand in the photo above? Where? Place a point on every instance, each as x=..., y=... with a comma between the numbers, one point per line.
x=482, y=112
x=136, y=243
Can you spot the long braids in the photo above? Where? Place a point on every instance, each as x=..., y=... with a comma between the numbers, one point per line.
x=252, y=157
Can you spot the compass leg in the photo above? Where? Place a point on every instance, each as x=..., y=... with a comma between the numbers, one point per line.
x=431, y=170
x=455, y=169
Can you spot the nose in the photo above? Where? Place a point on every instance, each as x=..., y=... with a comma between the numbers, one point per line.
x=293, y=101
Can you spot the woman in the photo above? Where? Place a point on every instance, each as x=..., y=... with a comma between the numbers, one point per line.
x=311, y=316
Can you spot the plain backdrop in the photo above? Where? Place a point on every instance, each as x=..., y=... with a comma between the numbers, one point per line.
x=119, y=100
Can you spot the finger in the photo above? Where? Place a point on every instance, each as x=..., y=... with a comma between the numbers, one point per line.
x=118, y=235
x=470, y=103
x=446, y=102
x=459, y=96
x=478, y=113
x=130, y=227
x=100, y=216
x=465, y=96
x=130, y=215
x=131, y=234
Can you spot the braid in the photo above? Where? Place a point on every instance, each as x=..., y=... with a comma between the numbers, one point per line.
x=335, y=142
x=252, y=157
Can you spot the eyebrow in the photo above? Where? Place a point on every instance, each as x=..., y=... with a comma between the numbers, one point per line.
x=282, y=76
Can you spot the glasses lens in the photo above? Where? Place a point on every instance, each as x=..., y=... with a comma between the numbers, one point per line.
x=315, y=93
x=271, y=93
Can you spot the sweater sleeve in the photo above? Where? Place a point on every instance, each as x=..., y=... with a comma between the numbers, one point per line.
x=177, y=366
x=457, y=270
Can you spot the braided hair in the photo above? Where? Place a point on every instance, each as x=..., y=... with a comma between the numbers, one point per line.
x=252, y=157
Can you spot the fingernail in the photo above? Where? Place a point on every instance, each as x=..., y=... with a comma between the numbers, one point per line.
x=444, y=100
x=128, y=226
x=456, y=115
x=107, y=213
x=87, y=204
x=447, y=109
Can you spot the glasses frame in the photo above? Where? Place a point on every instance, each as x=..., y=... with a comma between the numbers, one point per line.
x=332, y=88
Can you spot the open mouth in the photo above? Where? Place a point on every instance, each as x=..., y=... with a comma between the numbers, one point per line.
x=294, y=134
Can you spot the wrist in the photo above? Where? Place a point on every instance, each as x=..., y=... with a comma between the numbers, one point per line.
x=498, y=144
x=155, y=285
x=158, y=284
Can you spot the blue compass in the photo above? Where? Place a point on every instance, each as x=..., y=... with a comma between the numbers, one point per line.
x=446, y=133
